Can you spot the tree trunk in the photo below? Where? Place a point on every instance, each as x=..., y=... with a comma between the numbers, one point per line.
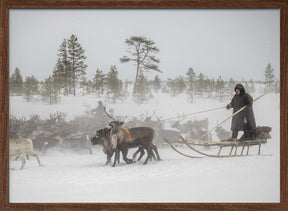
x=137, y=71
x=135, y=83
x=74, y=75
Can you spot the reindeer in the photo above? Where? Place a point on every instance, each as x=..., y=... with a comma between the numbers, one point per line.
x=161, y=134
x=183, y=128
x=142, y=153
x=123, y=139
x=141, y=136
x=21, y=147
x=222, y=134
x=99, y=139
x=145, y=121
x=102, y=137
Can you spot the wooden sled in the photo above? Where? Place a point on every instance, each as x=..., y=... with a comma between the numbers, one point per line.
x=190, y=143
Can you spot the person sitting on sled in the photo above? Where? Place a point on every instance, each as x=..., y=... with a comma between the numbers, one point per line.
x=244, y=120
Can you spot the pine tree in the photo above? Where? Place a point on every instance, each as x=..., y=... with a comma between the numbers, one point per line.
x=231, y=85
x=269, y=77
x=171, y=88
x=180, y=84
x=70, y=67
x=49, y=92
x=156, y=84
x=220, y=85
x=176, y=86
x=127, y=84
x=142, y=89
x=62, y=73
x=76, y=58
x=83, y=84
x=89, y=86
x=16, y=83
x=191, y=78
x=142, y=52
x=60, y=78
x=99, y=82
x=201, y=84
x=250, y=86
x=114, y=84
x=277, y=85
x=31, y=87
x=165, y=87
x=210, y=86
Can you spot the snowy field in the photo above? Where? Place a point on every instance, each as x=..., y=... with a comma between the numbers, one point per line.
x=70, y=176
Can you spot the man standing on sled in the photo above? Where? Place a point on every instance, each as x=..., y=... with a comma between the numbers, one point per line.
x=244, y=120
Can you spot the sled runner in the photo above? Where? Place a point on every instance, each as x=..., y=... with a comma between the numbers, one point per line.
x=233, y=145
x=224, y=144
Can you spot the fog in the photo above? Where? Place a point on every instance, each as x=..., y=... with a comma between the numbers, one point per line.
x=232, y=43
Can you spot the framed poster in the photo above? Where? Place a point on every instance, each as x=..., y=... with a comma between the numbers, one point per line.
x=195, y=49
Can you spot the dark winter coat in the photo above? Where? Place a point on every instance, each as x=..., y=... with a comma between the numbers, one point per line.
x=237, y=102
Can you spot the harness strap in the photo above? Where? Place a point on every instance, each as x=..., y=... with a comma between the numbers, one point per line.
x=127, y=132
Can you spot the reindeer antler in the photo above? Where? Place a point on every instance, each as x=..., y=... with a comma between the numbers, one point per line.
x=149, y=117
x=124, y=118
x=159, y=118
x=109, y=114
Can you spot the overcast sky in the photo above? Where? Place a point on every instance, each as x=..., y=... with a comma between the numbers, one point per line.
x=232, y=43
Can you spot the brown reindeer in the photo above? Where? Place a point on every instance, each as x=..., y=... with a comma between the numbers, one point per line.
x=123, y=139
x=102, y=137
x=141, y=137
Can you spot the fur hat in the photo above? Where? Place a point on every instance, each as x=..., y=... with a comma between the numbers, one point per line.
x=240, y=87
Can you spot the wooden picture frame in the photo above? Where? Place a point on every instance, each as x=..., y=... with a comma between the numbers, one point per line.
x=282, y=5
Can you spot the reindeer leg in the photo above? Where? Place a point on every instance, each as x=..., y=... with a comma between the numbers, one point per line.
x=135, y=153
x=149, y=150
x=23, y=160
x=116, y=156
x=259, y=152
x=153, y=155
x=146, y=161
x=27, y=157
x=109, y=156
x=156, y=151
x=38, y=160
x=142, y=153
x=124, y=153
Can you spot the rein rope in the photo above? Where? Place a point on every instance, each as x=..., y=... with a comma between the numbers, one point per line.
x=198, y=112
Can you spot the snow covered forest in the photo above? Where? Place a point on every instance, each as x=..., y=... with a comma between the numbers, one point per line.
x=60, y=114
x=68, y=78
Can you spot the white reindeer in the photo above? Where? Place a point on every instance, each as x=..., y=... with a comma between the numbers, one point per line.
x=22, y=147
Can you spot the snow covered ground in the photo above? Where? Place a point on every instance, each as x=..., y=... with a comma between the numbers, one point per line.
x=70, y=176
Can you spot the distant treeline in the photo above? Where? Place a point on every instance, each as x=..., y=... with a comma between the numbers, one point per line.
x=111, y=87
x=68, y=78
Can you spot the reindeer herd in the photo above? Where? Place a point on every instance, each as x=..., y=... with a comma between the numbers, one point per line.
x=146, y=135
